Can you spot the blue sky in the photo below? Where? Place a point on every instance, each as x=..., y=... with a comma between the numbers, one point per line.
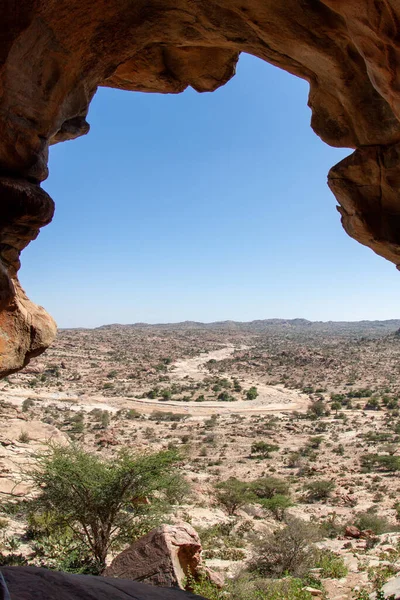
x=202, y=207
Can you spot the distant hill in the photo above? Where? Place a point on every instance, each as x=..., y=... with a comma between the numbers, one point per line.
x=273, y=325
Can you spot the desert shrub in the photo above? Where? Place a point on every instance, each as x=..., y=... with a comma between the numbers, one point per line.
x=369, y=519
x=263, y=449
x=132, y=414
x=314, y=442
x=277, y=505
x=166, y=394
x=233, y=494
x=287, y=551
x=372, y=404
x=105, y=419
x=222, y=536
x=225, y=397
x=159, y=415
x=331, y=565
x=236, y=385
x=76, y=422
x=319, y=490
x=13, y=560
x=62, y=551
x=384, y=462
x=205, y=588
x=27, y=404
x=98, y=499
x=331, y=527
x=247, y=587
x=24, y=438
x=317, y=409
x=252, y=393
x=267, y=487
x=294, y=460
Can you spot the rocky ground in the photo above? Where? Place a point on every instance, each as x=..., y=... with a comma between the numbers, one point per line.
x=325, y=398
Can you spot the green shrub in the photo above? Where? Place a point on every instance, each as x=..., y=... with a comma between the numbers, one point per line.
x=277, y=505
x=263, y=449
x=233, y=494
x=252, y=393
x=319, y=490
x=98, y=499
x=287, y=551
x=61, y=551
x=267, y=487
x=248, y=587
x=384, y=462
x=331, y=565
x=369, y=519
x=159, y=415
x=27, y=404
x=13, y=560
x=132, y=414
x=245, y=588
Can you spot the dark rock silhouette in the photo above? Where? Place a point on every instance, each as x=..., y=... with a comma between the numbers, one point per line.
x=31, y=583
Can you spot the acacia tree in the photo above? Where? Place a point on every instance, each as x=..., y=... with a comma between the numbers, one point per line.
x=98, y=499
x=263, y=449
x=233, y=494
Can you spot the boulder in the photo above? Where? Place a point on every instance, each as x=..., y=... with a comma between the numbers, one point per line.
x=391, y=589
x=163, y=557
x=32, y=583
x=352, y=531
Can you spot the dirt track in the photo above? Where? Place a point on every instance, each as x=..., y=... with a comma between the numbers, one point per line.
x=270, y=398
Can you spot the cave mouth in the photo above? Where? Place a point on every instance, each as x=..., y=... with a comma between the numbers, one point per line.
x=227, y=185
x=54, y=61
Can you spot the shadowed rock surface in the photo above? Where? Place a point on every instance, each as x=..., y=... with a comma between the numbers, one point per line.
x=31, y=583
x=54, y=55
x=163, y=557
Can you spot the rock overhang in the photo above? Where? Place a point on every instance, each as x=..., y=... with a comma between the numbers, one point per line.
x=54, y=55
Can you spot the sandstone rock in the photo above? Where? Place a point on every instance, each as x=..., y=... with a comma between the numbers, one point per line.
x=31, y=583
x=54, y=56
x=164, y=557
x=352, y=531
x=391, y=589
x=314, y=592
x=366, y=534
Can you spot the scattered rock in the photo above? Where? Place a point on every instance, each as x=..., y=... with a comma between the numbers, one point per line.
x=314, y=592
x=352, y=531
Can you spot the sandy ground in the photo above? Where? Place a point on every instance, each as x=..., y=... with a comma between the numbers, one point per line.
x=270, y=398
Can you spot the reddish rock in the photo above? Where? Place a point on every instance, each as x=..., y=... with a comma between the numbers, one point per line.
x=163, y=557
x=366, y=533
x=352, y=531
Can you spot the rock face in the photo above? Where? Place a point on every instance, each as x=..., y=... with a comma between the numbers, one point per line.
x=53, y=56
x=164, y=557
x=31, y=583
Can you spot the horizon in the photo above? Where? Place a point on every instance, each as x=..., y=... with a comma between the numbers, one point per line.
x=192, y=206
x=222, y=321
